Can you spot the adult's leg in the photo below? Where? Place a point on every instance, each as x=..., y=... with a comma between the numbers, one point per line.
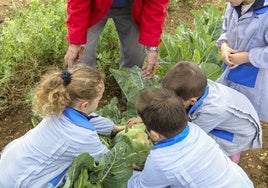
x=131, y=52
x=89, y=53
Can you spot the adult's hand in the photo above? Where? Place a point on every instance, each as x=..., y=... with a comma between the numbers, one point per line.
x=150, y=67
x=73, y=55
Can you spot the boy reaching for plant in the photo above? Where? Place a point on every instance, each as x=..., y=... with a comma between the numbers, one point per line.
x=222, y=112
x=183, y=155
x=43, y=155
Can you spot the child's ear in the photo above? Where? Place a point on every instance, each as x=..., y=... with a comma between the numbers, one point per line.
x=83, y=105
x=193, y=100
x=156, y=136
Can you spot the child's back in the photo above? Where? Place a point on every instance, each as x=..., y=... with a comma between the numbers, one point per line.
x=222, y=112
x=229, y=117
x=183, y=154
x=196, y=161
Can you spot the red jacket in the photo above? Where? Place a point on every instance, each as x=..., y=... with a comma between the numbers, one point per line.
x=149, y=15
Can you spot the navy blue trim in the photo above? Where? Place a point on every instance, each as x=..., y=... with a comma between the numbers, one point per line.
x=199, y=101
x=78, y=118
x=170, y=141
x=223, y=134
x=256, y=5
x=91, y=117
x=121, y=3
x=57, y=179
x=261, y=10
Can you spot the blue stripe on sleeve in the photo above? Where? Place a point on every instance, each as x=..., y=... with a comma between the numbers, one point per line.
x=223, y=134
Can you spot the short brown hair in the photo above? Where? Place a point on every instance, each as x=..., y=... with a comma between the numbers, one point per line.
x=186, y=79
x=162, y=111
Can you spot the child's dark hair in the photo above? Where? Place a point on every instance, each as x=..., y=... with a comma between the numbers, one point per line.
x=59, y=89
x=162, y=111
x=186, y=79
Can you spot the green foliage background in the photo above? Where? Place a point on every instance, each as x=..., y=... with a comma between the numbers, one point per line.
x=31, y=42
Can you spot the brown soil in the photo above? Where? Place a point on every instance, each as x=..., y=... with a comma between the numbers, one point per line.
x=18, y=122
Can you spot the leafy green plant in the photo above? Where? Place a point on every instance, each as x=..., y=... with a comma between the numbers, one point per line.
x=173, y=5
x=35, y=34
x=116, y=170
x=115, y=167
x=108, y=48
x=132, y=83
x=111, y=171
x=197, y=45
x=78, y=173
x=137, y=138
x=30, y=41
x=112, y=111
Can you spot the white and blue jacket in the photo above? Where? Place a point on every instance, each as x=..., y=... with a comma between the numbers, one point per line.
x=43, y=155
x=229, y=117
x=248, y=33
x=191, y=159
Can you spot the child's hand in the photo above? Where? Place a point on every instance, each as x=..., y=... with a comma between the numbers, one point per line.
x=118, y=128
x=134, y=120
x=226, y=53
x=136, y=167
x=238, y=59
